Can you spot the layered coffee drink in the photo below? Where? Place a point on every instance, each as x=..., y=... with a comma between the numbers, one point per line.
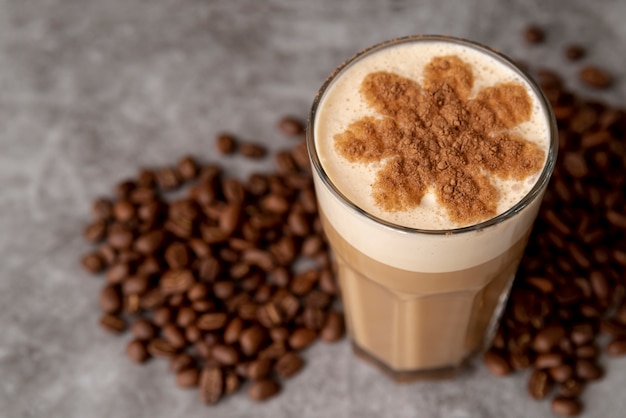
x=430, y=158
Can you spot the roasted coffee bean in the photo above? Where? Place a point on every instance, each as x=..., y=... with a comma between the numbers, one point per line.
x=496, y=363
x=251, y=339
x=574, y=52
x=279, y=334
x=289, y=306
x=211, y=385
x=612, y=327
x=119, y=237
x=327, y=282
x=174, y=336
x=570, y=388
x=176, y=281
x=547, y=338
x=93, y=262
x=136, y=351
x=548, y=360
x=252, y=150
x=112, y=323
x=298, y=223
x=123, y=188
x=225, y=354
x=159, y=347
x=587, y=351
x=273, y=351
x=534, y=34
x=231, y=383
x=110, y=299
x=181, y=362
x=304, y=282
x=333, y=328
x=259, y=368
x=258, y=257
x=285, y=164
x=302, y=338
x=176, y=256
x=212, y=321
x=225, y=143
x=566, y=407
x=539, y=384
x=290, y=126
x=162, y=316
x=167, y=178
x=617, y=347
x=102, y=209
x=187, y=168
x=561, y=373
x=313, y=318
x=188, y=378
x=96, y=231
x=136, y=284
x=595, y=77
x=143, y=329
x=288, y=364
x=203, y=349
x=150, y=242
x=588, y=369
x=269, y=315
x=193, y=333
x=262, y=390
x=123, y=210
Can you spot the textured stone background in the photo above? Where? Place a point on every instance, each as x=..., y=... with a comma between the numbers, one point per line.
x=90, y=90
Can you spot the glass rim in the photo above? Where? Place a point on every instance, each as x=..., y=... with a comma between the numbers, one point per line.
x=530, y=197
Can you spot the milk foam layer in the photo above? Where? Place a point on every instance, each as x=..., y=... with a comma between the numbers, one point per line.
x=341, y=104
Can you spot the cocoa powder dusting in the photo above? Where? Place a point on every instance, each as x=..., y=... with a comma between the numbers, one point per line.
x=435, y=137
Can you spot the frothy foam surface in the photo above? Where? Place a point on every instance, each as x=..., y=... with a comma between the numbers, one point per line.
x=342, y=104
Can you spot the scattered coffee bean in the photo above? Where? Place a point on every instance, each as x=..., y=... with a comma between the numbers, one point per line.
x=188, y=378
x=143, y=329
x=262, y=390
x=112, y=323
x=302, y=338
x=211, y=385
x=225, y=144
x=252, y=150
x=93, y=262
x=534, y=34
x=595, y=77
x=110, y=299
x=566, y=407
x=333, y=328
x=288, y=364
x=208, y=281
x=539, y=384
x=181, y=362
x=574, y=52
x=290, y=126
x=617, y=347
x=259, y=369
x=496, y=363
x=136, y=351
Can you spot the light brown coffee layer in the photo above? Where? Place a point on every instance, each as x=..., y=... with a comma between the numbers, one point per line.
x=421, y=321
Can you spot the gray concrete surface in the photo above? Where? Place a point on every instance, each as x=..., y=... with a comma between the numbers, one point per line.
x=91, y=90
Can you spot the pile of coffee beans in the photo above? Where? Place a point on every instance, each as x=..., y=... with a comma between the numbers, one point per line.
x=228, y=283
x=568, y=303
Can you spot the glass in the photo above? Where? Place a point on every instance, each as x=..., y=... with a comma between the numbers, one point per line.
x=423, y=322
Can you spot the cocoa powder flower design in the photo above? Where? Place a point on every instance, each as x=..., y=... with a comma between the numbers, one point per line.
x=436, y=137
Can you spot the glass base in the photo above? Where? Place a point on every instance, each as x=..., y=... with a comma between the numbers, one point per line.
x=408, y=376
